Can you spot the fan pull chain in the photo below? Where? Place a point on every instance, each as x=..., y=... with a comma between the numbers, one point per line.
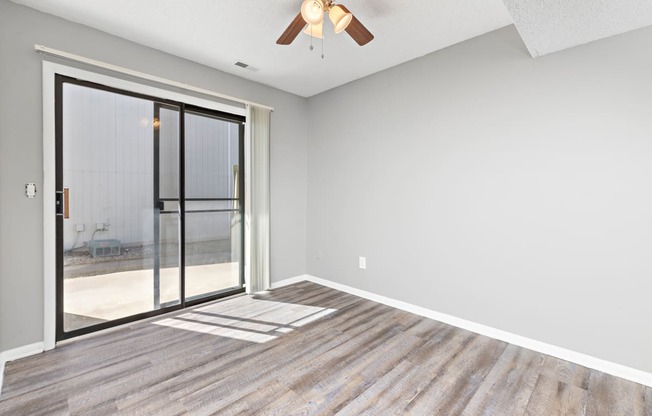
x=322, y=46
x=311, y=37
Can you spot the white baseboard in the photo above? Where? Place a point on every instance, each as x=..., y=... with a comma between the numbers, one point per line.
x=599, y=364
x=33, y=349
x=290, y=281
x=618, y=370
x=17, y=354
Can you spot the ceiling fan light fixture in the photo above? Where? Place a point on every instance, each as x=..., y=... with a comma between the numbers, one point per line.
x=340, y=17
x=312, y=14
x=316, y=31
x=312, y=11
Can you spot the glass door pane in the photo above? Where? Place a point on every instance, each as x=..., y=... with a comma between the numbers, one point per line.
x=119, y=245
x=167, y=284
x=213, y=191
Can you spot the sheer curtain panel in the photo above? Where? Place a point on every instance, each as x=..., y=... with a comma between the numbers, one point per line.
x=257, y=231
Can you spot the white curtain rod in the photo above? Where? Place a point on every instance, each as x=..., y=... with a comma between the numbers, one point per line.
x=142, y=75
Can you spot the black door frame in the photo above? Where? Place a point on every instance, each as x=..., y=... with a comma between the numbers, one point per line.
x=239, y=120
x=158, y=103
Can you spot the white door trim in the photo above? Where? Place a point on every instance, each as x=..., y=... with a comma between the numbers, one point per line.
x=50, y=69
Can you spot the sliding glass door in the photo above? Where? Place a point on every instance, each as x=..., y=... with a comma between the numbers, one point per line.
x=149, y=205
x=213, y=205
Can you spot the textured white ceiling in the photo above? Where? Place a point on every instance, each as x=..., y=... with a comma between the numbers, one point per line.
x=218, y=33
x=552, y=25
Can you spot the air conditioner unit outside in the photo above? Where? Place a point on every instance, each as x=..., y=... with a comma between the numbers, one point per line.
x=104, y=248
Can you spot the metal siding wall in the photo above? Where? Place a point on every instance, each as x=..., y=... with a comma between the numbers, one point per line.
x=108, y=163
x=169, y=172
x=209, y=174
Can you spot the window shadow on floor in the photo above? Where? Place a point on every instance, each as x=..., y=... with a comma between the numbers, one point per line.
x=247, y=318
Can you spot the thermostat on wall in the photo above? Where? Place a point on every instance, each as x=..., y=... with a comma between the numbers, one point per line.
x=30, y=190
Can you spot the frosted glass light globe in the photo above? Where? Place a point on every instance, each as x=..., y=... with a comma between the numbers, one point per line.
x=312, y=11
x=340, y=18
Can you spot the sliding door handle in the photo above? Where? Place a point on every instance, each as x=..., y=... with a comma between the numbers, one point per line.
x=58, y=202
x=62, y=203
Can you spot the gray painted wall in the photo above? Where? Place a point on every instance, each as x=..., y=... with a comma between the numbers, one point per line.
x=477, y=182
x=21, y=160
x=508, y=191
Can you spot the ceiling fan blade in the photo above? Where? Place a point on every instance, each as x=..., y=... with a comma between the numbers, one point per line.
x=292, y=31
x=358, y=32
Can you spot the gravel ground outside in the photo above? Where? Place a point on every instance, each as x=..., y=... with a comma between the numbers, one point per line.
x=80, y=263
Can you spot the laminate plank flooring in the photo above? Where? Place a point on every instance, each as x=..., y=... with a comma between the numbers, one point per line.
x=306, y=350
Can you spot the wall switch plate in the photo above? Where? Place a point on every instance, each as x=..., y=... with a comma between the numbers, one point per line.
x=79, y=227
x=99, y=226
x=318, y=255
x=30, y=190
x=362, y=262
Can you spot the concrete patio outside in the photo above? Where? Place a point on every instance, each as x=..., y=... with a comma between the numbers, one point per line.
x=93, y=299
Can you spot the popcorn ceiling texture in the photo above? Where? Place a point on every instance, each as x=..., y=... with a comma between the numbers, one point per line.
x=548, y=26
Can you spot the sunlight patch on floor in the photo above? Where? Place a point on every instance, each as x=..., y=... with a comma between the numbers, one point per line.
x=256, y=321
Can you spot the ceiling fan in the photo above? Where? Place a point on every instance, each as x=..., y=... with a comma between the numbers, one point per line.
x=311, y=19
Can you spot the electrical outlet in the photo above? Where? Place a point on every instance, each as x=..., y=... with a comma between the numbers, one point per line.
x=30, y=190
x=79, y=227
x=362, y=262
x=99, y=226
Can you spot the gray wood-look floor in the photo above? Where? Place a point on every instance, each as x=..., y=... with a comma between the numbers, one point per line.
x=306, y=349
